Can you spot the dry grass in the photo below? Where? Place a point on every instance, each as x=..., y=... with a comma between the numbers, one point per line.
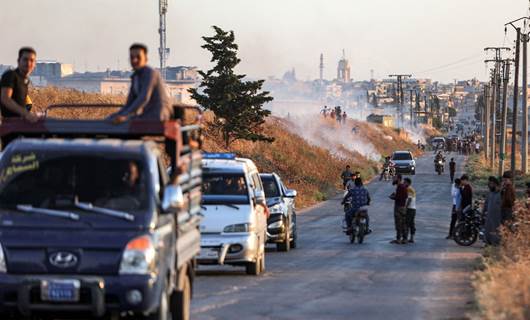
x=502, y=288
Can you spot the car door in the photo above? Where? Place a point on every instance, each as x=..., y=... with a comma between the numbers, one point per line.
x=261, y=217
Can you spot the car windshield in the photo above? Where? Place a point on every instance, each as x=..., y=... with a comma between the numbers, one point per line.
x=57, y=181
x=402, y=156
x=227, y=188
x=271, y=187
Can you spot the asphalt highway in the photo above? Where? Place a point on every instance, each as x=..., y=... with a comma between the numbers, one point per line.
x=326, y=277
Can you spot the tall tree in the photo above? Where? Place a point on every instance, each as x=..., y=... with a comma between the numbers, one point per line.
x=237, y=104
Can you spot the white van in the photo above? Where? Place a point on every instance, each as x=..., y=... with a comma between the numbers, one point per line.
x=234, y=227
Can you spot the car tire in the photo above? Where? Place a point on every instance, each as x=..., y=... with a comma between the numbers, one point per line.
x=254, y=268
x=286, y=244
x=163, y=311
x=294, y=241
x=181, y=299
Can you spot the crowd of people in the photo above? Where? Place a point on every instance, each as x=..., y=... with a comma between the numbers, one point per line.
x=334, y=113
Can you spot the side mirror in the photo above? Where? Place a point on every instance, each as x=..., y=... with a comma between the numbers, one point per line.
x=290, y=193
x=259, y=195
x=173, y=198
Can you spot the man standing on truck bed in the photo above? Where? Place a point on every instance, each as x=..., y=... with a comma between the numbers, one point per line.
x=14, y=86
x=148, y=98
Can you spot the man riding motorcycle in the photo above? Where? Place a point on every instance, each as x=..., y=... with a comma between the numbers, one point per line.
x=357, y=197
x=386, y=168
x=437, y=159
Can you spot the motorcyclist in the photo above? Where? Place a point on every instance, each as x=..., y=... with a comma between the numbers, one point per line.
x=357, y=197
x=386, y=166
x=439, y=157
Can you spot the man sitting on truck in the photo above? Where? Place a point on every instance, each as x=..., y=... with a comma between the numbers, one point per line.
x=14, y=87
x=148, y=98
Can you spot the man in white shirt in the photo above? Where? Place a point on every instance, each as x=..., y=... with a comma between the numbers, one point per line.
x=457, y=203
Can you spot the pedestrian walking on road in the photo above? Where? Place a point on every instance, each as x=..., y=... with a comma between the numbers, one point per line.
x=400, y=211
x=411, y=210
x=457, y=203
x=346, y=176
x=452, y=169
x=493, y=212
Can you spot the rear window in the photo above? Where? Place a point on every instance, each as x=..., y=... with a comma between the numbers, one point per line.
x=271, y=187
x=402, y=156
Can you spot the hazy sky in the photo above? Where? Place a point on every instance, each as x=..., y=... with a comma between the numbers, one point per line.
x=388, y=36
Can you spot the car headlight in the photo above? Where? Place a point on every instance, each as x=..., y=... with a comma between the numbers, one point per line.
x=3, y=268
x=241, y=227
x=276, y=225
x=277, y=208
x=139, y=256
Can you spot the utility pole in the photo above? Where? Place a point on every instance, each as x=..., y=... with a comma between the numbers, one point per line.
x=521, y=37
x=411, y=110
x=487, y=117
x=504, y=114
x=400, y=95
x=163, y=50
x=524, y=129
x=496, y=86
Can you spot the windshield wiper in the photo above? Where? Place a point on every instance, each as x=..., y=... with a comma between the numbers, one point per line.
x=49, y=212
x=229, y=205
x=109, y=212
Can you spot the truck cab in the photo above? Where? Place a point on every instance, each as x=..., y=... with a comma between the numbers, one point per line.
x=234, y=228
x=95, y=226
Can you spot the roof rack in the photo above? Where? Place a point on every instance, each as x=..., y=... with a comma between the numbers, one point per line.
x=181, y=135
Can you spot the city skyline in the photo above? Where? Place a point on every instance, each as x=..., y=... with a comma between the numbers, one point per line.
x=445, y=47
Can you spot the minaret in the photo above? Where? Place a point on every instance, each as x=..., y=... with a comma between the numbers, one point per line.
x=321, y=68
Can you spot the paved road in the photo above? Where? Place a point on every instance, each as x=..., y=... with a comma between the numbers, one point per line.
x=328, y=278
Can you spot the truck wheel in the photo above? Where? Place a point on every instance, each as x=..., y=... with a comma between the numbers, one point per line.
x=286, y=244
x=163, y=311
x=181, y=300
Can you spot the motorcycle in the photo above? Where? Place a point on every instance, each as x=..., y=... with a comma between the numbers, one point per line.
x=470, y=226
x=439, y=166
x=359, y=226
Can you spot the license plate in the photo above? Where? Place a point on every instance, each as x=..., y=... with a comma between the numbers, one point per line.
x=209, y=253
x=60, y=290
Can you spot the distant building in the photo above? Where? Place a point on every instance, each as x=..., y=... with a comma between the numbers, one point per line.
x=52, y=69
x=344, y=69
x=385, y=120
x=181, y=73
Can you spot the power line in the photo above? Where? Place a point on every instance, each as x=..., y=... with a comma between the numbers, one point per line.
x=451, y=63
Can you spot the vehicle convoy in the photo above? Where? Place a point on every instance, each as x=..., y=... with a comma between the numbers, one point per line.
x=281, y=227
x=234, y=229
x=93, y=226
x=403, y=162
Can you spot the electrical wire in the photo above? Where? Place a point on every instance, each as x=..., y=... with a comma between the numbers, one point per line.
x=450, y=64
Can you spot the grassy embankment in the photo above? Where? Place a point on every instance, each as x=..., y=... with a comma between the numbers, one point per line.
x=312, y=170
x=502, y=285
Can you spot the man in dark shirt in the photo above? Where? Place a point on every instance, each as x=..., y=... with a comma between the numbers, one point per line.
x=467, y=192
x=14, y=87
x=452, y=169
x=148, y=97
x=400, y=210
x=346, y=176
